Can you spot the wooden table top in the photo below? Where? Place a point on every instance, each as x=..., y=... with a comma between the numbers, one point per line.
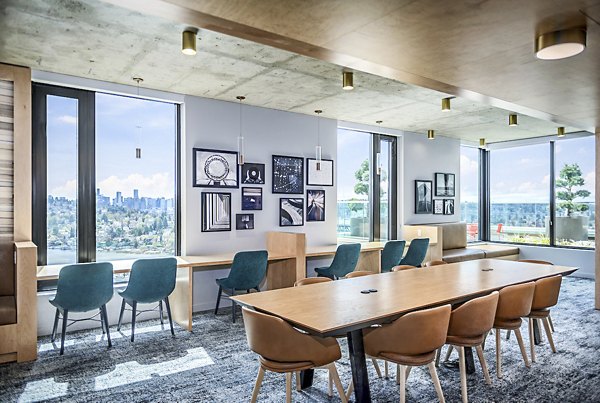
x=338, y=307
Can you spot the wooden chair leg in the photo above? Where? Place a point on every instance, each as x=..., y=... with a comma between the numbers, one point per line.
x=549, y=334
x=531, y=339
x=551, y=324
x=329, y=385
x=121, y=315
x=336, y=380
x=436, y=382
x=376, y=365
x=463, y=373
x=104, y=315
x=160, y=311
x=498, y=354
x=350, y=390
x=385, y=363
x=299, y=382
x=259, y=379
x=402, y=376
x=438, y=355
x=408, y=369
x=288, y=387
x=483, y=363
x=65, y=316
x=522, y=347
x=397, y=374
x=55, y=327
x=133, y=312
x=168, y=306
x=218, y=299
x=448, y=353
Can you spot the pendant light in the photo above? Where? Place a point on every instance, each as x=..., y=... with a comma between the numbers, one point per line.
x=431, y=134
x=512, y=120
x=318, y=150
x=446, y=104
x=240, y=139
x=561, y=132
x=188, y=43
x=347, y=80
x=138, y=127
x=378, y=155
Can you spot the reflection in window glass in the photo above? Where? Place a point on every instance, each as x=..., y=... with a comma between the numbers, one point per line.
x=469, y=191
x=519, y=194
x=574, y=187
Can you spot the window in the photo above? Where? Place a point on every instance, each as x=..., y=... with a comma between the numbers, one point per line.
x=104, y=176
x=469, y=190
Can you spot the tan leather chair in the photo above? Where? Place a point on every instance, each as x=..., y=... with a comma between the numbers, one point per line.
x=403, y=267
x=545, y=296
x=283, y=349
x=434, y=263
x=411, y=340
x=359, y=273
x=539, y=262
x=312, y=280
x=514, y=302
x=469, y=325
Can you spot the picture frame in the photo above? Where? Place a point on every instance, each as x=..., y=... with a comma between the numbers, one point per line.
x=445, y=184
x=324, y=177
x=438, y=206
x=244, y=221
x=423, y=197
x=252, y=198
x=215, y=168
x=252, y=173
x=448, y=206
x=291, y=211
x=315, y=205
x=216, y=211
x=287, y=175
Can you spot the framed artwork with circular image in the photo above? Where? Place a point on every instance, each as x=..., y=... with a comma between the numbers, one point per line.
x=215, y=168
x=253, y=173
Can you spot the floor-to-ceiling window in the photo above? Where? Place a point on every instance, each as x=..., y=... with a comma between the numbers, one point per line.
x=469, y=190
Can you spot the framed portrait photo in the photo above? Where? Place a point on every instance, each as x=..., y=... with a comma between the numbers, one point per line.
x=216, y=211
x=319, y=175
x=215, y=168
x=251, y=198
x=252, y=173
x=448, y=206
x=291, y=211
x=244, y=221
x=288, y=174
x=438, y=206
x=423, y=197
x=444, y=184
x=315, y=205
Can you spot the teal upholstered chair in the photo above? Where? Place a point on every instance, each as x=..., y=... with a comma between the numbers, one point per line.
x=83, y=287
x=417, y=250
x=248, y=270
x=344, y=261
x=391, y=255
x=150, y=281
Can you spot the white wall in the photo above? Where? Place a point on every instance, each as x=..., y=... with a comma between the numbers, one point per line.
x=584, y=259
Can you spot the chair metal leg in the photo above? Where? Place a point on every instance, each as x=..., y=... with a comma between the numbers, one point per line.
x=522, y=347
x=65, y=316
x=549, y=334
x=218, y=299
x=436, y=382
x=160, y=310
x=438, y=355
x=498, y=354
x=133, y=312
x=531, y=339
x=121, y=315
x=56, y=315
x=169, y=315
x=259, y=379
x=104, y=315
x=448, y=352
x=508, y=335
x=232, y=306
x=463, y=373
x=102, y=321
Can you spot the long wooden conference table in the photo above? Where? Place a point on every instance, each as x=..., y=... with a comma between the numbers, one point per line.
x=339, y=308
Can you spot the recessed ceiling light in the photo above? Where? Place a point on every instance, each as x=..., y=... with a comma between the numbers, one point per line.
x=512, y=120
x=560, y=44
x=188, y=43
x=347, y=80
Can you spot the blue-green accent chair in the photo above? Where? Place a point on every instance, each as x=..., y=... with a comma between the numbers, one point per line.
x=417, y=250
x=150, y=281
x=391, y=255
x=344, y=262
x=82, y=287
x=248, y=270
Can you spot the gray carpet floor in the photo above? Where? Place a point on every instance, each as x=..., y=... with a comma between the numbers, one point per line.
x=214, y=364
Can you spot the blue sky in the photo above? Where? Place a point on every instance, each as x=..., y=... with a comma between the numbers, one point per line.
x=353, y=147
x=122, y=124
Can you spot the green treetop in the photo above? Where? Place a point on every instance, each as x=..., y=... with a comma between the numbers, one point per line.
x=570, y=177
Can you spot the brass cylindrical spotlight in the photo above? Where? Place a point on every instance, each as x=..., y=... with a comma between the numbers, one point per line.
x=188, y=43
x=347, y=80
x=431, y=134
x=560, y=44
x=512, y=120
x=561, y=132
x=446, y=105
x=481, y=143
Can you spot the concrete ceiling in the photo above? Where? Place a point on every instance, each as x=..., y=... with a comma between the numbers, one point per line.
x=93, y=39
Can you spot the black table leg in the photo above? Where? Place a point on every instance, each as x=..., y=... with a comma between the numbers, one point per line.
x=537, y=338
x=306, y=378
x=360, y=377
x=470, y=363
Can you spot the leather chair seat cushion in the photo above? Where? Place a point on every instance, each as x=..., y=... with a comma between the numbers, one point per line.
x=412, y=360
x=509, y=324
x=277, y=366
x=539, y=314
x=462, y=255
x=8, y=310
x=464, y=341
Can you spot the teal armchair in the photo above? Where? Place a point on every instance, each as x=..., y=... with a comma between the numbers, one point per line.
x=391, y=255
x=344, y=262
x=150, y=281
x=417, y=250
x=248, y=270
x=82, y=287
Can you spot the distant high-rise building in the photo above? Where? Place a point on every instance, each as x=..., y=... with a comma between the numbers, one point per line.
x=119, y=199
x=136, y=194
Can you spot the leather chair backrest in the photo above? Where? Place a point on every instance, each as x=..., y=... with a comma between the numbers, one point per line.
x=359, y=273
x=391, y=255
x=345, y=259
x=435, y=263
x=152, y=280
x=474, y=317
x=7, y=269
x=276, y=340
x=248, y=269
x=546, y=292
x=83, y=287
x=415, y=333
x=403, y=267
x=312, y=280
x=515, y=301
x=417, y=250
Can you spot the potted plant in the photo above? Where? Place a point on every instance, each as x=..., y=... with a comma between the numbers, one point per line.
x=573, y=226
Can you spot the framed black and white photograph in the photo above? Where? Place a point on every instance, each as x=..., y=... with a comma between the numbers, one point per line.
x=288, y=174
x=444, y=184
x=291, y=211
x=216, y=211
x=315, y=205
x=438, y=206
x=251, y=198
x=423, y=197
x=215, y=168
x=253, y=173
x=316, y=176
x=448, y=206
x=244, y=221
